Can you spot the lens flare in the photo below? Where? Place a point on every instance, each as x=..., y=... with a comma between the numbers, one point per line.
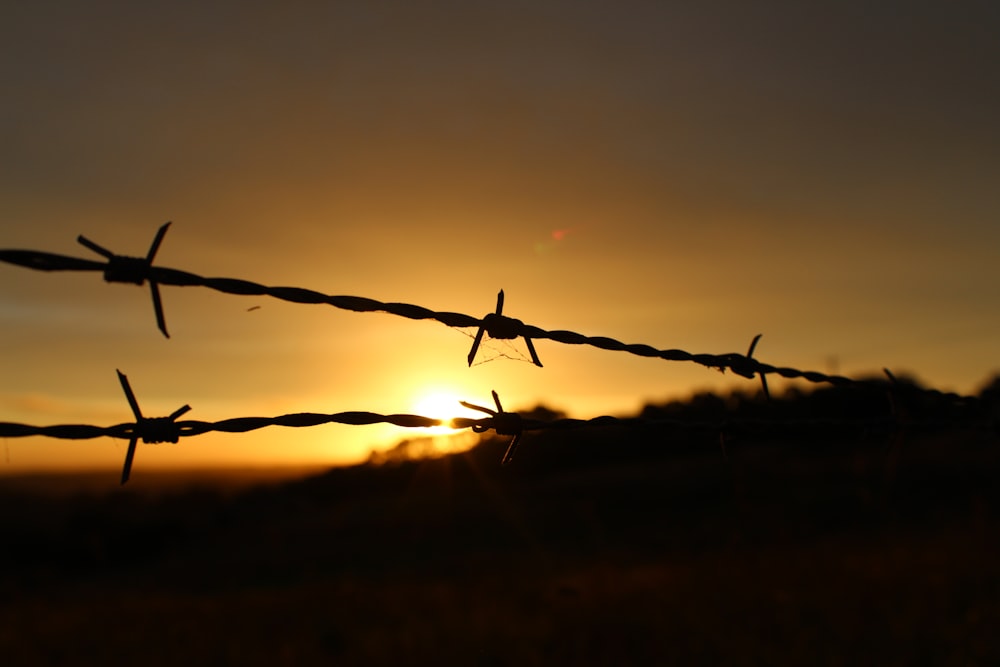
x=555, y=237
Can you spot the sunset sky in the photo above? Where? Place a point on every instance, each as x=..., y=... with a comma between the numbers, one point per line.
x=684, y=175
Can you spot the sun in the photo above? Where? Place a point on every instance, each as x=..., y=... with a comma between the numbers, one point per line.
x=439, y=405
x=443, y=405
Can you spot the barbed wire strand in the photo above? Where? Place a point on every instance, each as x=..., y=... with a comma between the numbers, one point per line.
x=168, y=429
x=135, y=270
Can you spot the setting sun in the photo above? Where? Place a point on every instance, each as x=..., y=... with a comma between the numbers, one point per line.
x=524, y=333
x=445, y=406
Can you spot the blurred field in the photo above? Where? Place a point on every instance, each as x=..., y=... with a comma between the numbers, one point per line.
x=594, y=548
x=99, y=482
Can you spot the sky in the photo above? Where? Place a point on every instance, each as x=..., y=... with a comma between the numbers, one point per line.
x=685, y=175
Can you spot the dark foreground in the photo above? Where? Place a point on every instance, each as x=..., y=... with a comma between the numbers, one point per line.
x=797, y=551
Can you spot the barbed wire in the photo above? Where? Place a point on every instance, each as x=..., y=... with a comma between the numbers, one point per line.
x=169, y=430
x=139, y=270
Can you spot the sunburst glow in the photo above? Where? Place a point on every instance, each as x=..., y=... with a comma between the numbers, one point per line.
x=442, y=405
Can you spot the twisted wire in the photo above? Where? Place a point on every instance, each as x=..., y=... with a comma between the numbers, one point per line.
x=505, y=423
x=168, y=429
x=188, y=428
x=738, y=363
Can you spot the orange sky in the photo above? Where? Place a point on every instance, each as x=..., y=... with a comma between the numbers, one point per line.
x=824, y=173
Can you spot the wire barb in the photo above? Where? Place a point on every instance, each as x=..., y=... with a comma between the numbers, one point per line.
x=501, y=327
x=134, y=270
x=747, y=366
x=152, y=430
x=504, y=423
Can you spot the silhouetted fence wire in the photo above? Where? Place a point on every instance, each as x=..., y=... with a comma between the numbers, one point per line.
x=135, y=270
x=138, y=271
x=168, y=429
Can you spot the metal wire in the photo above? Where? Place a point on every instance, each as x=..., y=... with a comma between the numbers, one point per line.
x=168, y=429
x=494, y=323
x=139, y=270
x=501, y=423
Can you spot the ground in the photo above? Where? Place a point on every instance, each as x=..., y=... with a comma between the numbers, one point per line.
x=828, y=551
